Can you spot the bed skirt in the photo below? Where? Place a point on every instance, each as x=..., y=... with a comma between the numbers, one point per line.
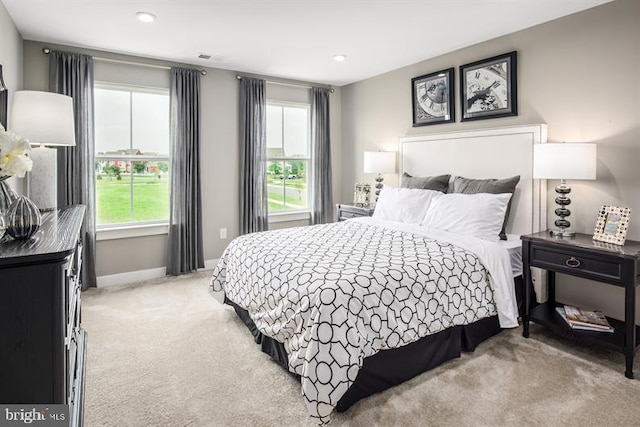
x=388, y=368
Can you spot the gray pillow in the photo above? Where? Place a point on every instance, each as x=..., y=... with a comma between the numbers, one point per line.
x=491, y=186
x=438, y=183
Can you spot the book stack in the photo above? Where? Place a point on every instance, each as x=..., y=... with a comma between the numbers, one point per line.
x=586, y=320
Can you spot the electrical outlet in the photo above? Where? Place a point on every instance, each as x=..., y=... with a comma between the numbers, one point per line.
x=223, y=233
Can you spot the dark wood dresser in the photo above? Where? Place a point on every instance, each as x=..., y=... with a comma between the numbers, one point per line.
x=42, y=343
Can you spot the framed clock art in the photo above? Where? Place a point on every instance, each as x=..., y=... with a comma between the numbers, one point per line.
x=488, y=88
x=432, y=98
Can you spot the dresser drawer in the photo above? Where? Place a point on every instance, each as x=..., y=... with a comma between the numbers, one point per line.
x=77, y=265
x=76, y=396
x=576, y=263
x=73, y=315
x=72, y=358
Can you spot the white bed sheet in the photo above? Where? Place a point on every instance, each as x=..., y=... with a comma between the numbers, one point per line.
x=495, y=256
x=513, y=244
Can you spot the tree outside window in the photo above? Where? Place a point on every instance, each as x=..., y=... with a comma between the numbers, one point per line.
x=288, y=156
x=132, y=155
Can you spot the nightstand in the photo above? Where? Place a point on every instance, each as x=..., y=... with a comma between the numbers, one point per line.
x=581, y=256
x=349, y=211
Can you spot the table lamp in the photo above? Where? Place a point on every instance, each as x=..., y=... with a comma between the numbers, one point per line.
x=559, y=160
x=379, y=162
x=43, y=118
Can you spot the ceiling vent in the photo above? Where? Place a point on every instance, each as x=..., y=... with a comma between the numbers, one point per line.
x=203, y=56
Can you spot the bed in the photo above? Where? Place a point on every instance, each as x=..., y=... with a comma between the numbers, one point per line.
x=353, y=308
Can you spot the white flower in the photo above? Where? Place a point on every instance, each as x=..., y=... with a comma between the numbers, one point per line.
x=14, y=154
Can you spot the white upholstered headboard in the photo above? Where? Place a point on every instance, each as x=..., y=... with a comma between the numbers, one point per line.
x=485, y=153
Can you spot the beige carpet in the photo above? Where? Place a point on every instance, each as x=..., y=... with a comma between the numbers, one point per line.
x=165, y=353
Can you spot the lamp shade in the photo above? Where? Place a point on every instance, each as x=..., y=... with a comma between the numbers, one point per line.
x=43, y=117
x=559, y=160
x=379, y=162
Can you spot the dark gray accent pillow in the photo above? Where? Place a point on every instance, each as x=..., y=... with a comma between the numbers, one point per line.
x=438, y=183
x=491, y=186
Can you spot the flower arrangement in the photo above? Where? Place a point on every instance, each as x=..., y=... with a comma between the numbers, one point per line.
x=14, y=155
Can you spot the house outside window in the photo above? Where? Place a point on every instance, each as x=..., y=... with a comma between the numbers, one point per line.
x=131, y=155
x=288, y=157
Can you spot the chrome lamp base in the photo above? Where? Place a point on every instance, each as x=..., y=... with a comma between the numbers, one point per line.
x=379, y=185
x=562, y=201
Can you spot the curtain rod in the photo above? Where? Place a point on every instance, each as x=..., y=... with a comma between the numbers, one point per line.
x=288, y=84
x=46, y=51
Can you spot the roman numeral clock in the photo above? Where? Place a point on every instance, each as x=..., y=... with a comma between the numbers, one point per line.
x=488, y=88
x=432, y=98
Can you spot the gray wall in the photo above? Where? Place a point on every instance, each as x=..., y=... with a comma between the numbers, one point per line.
x=219, y=149
x=11, y=60
x=579, y=74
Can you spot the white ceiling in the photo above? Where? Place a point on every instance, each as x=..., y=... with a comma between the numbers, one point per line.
x=285, y=38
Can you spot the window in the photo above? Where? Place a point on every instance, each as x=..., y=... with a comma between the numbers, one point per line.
x=288, y=147
x=132, y=155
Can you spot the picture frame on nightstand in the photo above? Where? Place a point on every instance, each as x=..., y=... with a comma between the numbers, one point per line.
x=362, y=195
x=612, y=224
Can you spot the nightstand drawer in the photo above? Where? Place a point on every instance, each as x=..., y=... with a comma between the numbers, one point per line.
x=577, y=263
x=349, y=211
x=348, y=215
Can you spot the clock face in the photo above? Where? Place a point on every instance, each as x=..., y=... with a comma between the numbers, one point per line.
x=433, y=97
x=487, y=88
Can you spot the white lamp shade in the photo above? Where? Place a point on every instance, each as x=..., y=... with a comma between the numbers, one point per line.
x=43, y=117
x=558, y=160
x=379, y=162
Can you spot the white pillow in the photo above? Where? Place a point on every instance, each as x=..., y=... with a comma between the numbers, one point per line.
x=479, y=215
x=407, y=205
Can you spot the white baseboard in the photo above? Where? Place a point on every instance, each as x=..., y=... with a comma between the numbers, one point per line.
x=141, y=275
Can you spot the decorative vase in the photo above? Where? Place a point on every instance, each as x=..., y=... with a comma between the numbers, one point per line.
x=3, y=227
x=7, y=197
x=23, y=218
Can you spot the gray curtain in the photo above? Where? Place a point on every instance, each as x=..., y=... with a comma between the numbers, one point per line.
x=321, y=193
x=253, y=153
x=72, y=74
x=185, y=222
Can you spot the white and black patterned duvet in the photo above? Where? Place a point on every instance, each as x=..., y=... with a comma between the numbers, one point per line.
x=337, y=293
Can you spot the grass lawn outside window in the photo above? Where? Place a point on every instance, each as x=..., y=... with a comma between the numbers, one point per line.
x=150, y=197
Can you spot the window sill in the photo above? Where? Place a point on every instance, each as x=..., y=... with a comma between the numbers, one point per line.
x=289, y=216
x=129, y=231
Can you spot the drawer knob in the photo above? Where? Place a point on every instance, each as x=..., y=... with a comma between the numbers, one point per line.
x=573, y=262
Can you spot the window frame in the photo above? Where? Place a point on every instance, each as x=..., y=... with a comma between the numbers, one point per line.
x=292, y=214
x=130, y=228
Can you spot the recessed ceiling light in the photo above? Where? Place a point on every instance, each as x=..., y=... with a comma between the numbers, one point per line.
x=146, y=16
x=339, y=58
